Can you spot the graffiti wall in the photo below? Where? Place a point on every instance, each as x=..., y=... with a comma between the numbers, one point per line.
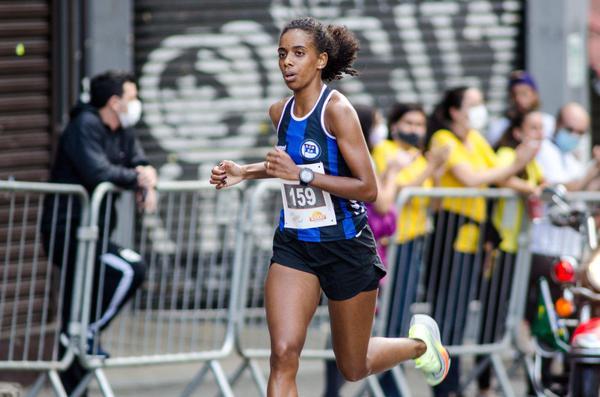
x=208, y=69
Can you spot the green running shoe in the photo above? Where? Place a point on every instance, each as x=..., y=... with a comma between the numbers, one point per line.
x=435, y=362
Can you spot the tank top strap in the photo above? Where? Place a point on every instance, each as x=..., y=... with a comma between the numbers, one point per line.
x=323, y=99
x=286, y=114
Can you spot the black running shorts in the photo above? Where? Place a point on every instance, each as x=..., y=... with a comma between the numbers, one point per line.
x=344, y=267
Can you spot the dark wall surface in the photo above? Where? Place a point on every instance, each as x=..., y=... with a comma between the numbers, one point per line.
x=208, y=70
x=25, y=98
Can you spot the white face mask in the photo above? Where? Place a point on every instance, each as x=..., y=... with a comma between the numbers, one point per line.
x=478, y=117
x=378, y=134
x=133, y=114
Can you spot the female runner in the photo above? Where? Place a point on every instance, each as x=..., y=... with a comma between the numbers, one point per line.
x=323, y=241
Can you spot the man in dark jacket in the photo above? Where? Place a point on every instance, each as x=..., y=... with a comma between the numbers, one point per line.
x=99, y=145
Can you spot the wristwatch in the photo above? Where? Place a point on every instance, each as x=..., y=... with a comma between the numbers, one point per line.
x=306, y=176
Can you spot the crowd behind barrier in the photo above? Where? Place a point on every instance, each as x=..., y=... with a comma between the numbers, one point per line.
x=206, y=255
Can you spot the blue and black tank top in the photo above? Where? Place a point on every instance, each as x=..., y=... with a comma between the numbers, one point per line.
x=307, y=141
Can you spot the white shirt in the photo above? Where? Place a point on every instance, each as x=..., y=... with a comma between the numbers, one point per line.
x=557, y=167
x=498, y=126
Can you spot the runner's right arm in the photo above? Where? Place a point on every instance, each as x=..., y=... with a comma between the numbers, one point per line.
x=229, y=173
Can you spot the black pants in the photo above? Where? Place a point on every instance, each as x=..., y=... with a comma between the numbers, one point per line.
x=496, y=288
x=117, y=275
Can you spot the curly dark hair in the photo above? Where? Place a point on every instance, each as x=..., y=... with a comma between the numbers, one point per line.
x=337, y=41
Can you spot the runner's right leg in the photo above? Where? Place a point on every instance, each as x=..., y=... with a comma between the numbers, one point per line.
x=291, y=298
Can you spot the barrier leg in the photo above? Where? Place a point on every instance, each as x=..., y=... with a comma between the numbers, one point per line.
x=235, y=376
x=518, y=362
x=259, y=377
x=503, y=379
x=362, y=390
x=57, y=385
x=80, y=389
x=400, y=379
x=37, y=386
x=103, y=383
x=532, y=369
x=221, y=378
x=196, y=381
x=475, y=372
x=374, y=386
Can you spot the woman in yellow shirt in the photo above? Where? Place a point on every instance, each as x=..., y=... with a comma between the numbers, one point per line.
x=527, y=126
x=407, y=126
x=507, y=217
x=453, y=261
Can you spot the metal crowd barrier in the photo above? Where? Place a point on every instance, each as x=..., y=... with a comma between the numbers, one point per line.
x=206, y=254
x=38, y=229
x=449, y=262
x=184, y=309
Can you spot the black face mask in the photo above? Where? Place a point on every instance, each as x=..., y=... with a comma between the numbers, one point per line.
x=411, y=138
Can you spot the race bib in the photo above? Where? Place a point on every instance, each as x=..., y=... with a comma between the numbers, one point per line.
x=306, y=207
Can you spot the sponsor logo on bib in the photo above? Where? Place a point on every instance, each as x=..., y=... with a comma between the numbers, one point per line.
x=317, y=216
x=310, y=149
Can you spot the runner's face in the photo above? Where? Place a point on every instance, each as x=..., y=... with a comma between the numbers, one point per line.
x=299, y=60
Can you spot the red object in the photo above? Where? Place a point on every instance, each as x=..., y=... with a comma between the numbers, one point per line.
x=535, y=208
x=564, y=272
x=587, y=335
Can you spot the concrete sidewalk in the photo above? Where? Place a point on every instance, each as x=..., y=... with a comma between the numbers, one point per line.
x=171, y=380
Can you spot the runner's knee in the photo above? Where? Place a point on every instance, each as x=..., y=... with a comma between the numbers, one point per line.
x=285, y=355
x=353, y=373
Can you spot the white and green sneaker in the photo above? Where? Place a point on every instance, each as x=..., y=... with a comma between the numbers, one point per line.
x=435, y=362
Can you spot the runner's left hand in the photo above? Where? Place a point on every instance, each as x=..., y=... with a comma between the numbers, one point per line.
x=279, y=164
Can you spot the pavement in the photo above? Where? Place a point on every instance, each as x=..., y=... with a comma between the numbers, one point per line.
x=172, y=379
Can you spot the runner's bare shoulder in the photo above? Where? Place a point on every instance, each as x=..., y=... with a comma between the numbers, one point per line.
x=276, y=110
x=338, y=109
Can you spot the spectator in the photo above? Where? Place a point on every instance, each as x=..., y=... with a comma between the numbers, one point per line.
x=471, y=163
x=98, y=145
x=561, y=166
x=381, y=213
x=507, y=219
x=524, y=96
x=407, y=125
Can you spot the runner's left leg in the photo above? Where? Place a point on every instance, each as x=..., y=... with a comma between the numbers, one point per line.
x=357, y=353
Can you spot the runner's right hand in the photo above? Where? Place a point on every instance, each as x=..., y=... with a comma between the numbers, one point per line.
x=226, y=174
